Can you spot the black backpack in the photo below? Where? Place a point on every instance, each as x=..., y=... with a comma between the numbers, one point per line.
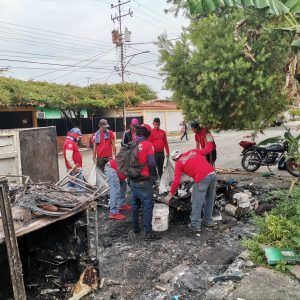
x=127, y=161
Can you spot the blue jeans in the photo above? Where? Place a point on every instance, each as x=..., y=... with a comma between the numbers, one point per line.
x=117, y=190
x=203, y=195
x=142, y=194
x=74, y=185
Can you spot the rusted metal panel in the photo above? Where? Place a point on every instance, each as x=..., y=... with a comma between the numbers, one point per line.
x=38, y=152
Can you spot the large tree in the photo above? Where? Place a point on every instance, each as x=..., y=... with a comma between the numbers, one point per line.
x=227, y=70
x=67, y=98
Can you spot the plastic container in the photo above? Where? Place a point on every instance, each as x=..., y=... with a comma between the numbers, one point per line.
x=160, y=218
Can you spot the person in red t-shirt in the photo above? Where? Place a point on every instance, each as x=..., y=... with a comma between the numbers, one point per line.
x=117, y=190
x=142, y=186
x=104, y=146
x=205, y=141
x=203, y=173
x=72, y=156
x=159, y=140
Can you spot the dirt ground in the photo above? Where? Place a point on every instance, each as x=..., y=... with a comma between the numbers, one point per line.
x=181, y=262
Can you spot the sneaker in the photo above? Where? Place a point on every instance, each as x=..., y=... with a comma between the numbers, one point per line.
x=210, y=224
x=151, y=237
x=125, y=207
x=117, y=216
x=194, y=228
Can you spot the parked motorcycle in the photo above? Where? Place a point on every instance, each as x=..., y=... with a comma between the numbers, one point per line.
x=275, y=154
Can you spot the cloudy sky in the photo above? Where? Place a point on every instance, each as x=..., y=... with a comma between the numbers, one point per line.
x=69, y=41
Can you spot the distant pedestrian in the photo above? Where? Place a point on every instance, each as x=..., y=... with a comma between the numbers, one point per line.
x=129, y=135
x=160, y=143
x=142, y=186
x=73, y=157
x=184, y=131
x=205, y=141
x=104, y=146
x=193, y=164
x=117, y=191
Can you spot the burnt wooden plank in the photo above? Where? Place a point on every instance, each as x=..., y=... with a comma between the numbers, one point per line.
x=38, y=150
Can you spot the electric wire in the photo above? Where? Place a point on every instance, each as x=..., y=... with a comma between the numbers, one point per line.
x=80, y=67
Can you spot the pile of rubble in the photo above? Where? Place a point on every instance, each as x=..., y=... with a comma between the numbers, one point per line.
x=33, y=200
x=231, y=198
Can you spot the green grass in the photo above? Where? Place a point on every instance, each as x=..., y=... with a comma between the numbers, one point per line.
x=278, y=228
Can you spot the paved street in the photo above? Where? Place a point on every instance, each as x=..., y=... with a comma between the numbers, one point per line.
x=227, y=146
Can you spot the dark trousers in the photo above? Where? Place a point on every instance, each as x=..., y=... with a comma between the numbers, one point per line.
x=142, y=194
x=159, y=160
x=184, y=135
x=101, y=162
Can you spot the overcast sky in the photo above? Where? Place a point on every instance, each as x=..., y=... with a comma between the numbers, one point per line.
x=43, y=39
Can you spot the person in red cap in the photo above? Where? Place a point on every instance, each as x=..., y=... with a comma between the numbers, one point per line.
x=104, y=146
x=72, y=156
x=129, y=135
x=117, y=191
x=159, y=140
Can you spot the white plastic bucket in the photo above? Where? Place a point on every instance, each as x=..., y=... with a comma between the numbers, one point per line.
x=160, y=218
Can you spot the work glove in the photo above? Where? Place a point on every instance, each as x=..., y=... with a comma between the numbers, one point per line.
x=166, y=200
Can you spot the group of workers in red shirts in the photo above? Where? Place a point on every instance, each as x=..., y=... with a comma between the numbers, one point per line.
x=152, y=146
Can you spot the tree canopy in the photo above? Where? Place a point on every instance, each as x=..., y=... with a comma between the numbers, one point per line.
x=14, y=92
x=228, y=70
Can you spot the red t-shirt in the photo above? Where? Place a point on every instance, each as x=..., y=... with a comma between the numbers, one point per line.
x=77, y=157
x=113, y=164
x=104, y=148
x=203, y=137
x=145, y=149
x=158, y=138
x=194, y=165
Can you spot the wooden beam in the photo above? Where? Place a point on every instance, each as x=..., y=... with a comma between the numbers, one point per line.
x=14, y=260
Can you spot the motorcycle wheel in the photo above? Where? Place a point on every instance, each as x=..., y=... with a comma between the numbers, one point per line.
x=246, y=162
x=292, y=167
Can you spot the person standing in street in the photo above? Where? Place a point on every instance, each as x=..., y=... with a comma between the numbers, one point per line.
x=159, y=140
x=205, y=141
x=142, y=186
x=184, y=131
x=117, y=191
x=72, y=156
x=193, y=164
x=129, y=135
x=104, y=146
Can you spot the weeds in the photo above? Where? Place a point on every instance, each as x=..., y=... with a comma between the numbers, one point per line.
x=278, y=228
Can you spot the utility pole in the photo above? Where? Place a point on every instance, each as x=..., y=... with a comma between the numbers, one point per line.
x=118, y=39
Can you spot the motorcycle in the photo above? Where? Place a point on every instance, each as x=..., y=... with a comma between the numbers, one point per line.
x=275, y=154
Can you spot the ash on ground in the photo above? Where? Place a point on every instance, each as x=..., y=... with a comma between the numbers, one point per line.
x=181, y=263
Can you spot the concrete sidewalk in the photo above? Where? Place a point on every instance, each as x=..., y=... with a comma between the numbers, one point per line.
x=258, y=283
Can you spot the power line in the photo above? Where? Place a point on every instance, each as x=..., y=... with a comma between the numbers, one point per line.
x=46, y=69
x=72, y=41
x=57, y=33
x=80, y=67
x=45, y=63
x=160, y=20
x=81, y=61
x=145, y=43
x=145, y=75
x=14, y=36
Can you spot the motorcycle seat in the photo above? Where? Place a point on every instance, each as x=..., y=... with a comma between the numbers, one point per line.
x=259, y=148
